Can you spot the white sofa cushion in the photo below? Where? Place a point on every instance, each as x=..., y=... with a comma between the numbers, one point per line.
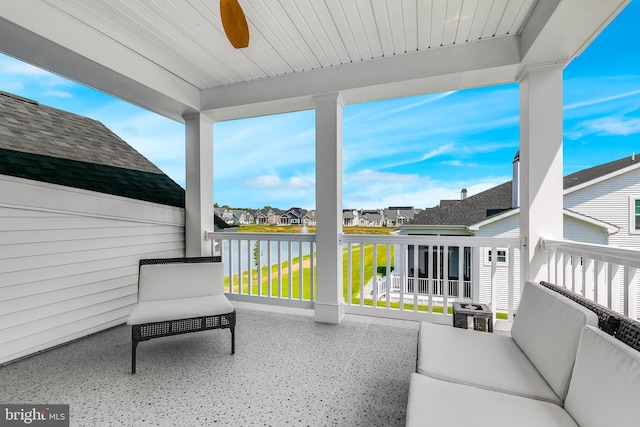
x=547, y=329
x=179, y=308
x=439, y=403
x=480, y=359
x=605, y=386
x=180, y=280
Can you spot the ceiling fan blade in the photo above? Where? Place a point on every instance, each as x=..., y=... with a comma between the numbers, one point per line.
x=234, y=23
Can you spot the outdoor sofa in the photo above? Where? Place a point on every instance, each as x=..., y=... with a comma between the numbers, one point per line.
x=557, y=368
x=177, y=296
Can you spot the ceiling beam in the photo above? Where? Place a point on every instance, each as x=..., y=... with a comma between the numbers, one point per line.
x=468, y=65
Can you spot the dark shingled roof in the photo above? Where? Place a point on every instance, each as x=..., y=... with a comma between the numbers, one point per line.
x=496, y=200
x=470, y=210
x=46, y=144
x=586, y=175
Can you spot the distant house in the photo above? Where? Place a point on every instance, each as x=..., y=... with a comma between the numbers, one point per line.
x=350, y=217
x=397, y=215
x=80, y=207
x=371, y=218
x=293, y=216
x=310, y=218
x=601, y=205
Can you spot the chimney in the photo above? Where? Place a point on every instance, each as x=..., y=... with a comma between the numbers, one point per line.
x=463, y=194
x=515, y=184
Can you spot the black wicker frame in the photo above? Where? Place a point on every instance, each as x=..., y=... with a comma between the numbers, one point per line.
x=608, y=320
x=629, y=333
x=147, y=331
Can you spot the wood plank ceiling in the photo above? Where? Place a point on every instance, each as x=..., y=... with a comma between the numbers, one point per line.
x=291, y=36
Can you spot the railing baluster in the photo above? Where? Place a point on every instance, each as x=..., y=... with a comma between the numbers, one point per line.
x=494, y=281
x=430, y=277
x=362, y=284
x=290, y=268
x=249, y=266
x=279, y=269
x=259, y=267
x=300, y=265
x=375, y=276
x=389, y=277
x=349, y=273
x=416, y=278
x=511, y=283
x=240, y=266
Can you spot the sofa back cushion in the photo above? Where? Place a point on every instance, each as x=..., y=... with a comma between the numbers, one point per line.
x=605, y=385
x=180, y=280
x=547, y=329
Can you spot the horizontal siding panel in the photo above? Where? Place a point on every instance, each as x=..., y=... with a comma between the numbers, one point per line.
x=66, y=274
x=71, y=259
x=42, y=300
x=28, y=250
x=62, y=319
x=55, y=284
x=61, y=235
x=51, y=337
x=58, y=271
x=45, y=312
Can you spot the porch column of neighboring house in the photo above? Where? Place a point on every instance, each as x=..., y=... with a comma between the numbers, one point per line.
x=541, y=191
x=199, y=183
x=329, y=306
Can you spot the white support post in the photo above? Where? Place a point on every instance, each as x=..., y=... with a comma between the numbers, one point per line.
x=329, y=306
x=541, y=193
x=199, y=183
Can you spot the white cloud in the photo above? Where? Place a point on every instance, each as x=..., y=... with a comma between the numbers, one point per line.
x=58, y=93
x=606, y=126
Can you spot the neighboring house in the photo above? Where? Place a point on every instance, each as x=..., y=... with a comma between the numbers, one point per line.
x=260, y=217
x=601, y=205
x=395, y=216
x=245, y=217
x=310, y=218
x=273, y=216
x=294, y=216
x=350, y=217
x=371, y=218
x=79, y=208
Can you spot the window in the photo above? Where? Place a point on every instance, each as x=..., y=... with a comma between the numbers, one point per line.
x=501, y=256
x=636, y=214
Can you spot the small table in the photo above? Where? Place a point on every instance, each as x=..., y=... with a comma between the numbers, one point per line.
x=481, y=314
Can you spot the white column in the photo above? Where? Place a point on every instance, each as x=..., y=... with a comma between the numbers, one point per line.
x=541, y=193
x=199, y=182
x=329, y=306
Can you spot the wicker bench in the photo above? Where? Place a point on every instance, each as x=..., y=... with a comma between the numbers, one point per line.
x=177, y=296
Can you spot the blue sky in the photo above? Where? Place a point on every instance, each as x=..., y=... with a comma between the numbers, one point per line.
x=411, y=151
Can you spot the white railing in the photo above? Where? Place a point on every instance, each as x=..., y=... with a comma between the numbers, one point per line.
x=607, y=275
x=279, y=268
x=366, y=289
x=272, y=268
x=405, y=284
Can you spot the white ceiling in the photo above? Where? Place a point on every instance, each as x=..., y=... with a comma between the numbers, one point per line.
x=172, y=56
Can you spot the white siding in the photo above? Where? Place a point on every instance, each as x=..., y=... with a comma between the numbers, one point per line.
x=609, y=201
x=68, y=260
x=574, y=229
x=508, y=227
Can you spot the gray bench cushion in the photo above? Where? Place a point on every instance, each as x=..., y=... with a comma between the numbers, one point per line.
x=439, y=403
x=489, y=361
x=605, y=386
x=547, y=328
x=537, y=364
x=181, y=308
x=188, y=280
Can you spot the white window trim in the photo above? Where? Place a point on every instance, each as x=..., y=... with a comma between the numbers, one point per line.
x=499, y=263
x=632, y=215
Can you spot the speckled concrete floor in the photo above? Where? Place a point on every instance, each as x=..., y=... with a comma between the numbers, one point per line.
x=287, y=370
